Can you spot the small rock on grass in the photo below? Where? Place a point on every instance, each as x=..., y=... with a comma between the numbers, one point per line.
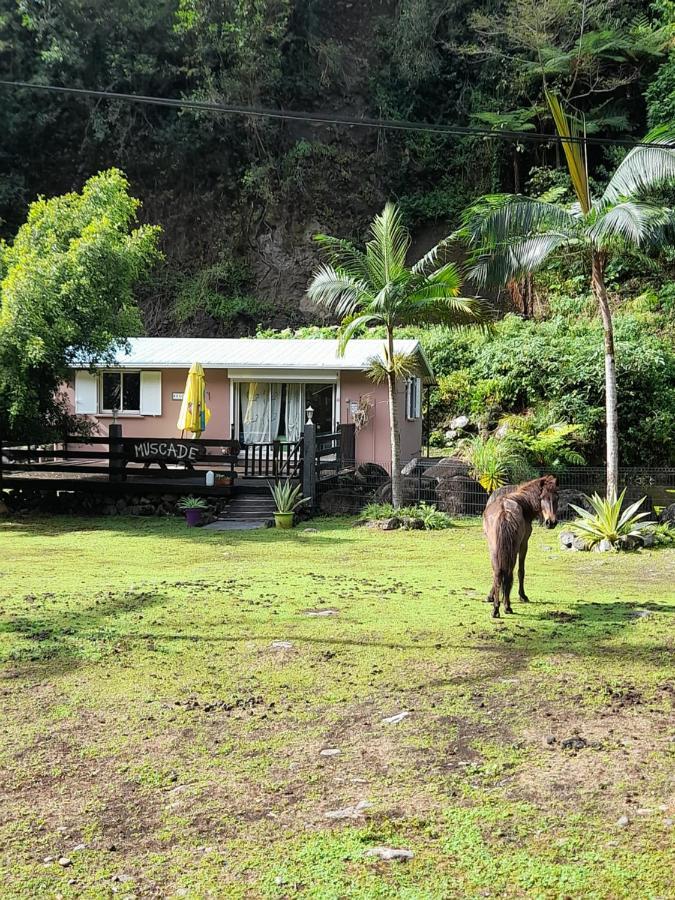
x=64, y=861
x=574, y=743
x=281, y=645
x=349, y=812
x=393, y=720
x=604, y=546
x=390, y=853
x=330, y=751
x=623, y=822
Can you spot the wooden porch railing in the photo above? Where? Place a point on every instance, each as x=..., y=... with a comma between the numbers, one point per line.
x=276, y=459
x=116, y=458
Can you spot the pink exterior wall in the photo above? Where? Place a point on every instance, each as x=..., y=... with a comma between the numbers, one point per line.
x=373, y=443
x=173, y=380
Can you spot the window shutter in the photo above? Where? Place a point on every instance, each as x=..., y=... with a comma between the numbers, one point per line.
x=86, y=393
x=151, y=393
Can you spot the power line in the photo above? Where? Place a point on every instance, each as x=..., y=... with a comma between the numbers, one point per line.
x=323, y=118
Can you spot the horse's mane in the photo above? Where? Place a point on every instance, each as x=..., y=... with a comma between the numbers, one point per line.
x=528, y=494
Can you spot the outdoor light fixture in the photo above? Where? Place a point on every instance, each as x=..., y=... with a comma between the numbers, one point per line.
x=310, y=413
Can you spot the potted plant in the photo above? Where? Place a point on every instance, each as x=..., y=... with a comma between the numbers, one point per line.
x=193, y=508
x=286, y=499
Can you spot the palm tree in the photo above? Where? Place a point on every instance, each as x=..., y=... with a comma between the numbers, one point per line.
x=510, y=235
x=374, y=286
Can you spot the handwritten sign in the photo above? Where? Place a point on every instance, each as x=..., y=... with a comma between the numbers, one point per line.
x=166, y=451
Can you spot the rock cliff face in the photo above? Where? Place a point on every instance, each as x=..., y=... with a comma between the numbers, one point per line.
x=238, y=198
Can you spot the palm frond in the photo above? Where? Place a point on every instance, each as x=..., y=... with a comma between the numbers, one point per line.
x=635, y=222
x=569, y=131
x=402, y=366
x=343, y=255
x=503, y=218
x=387, y=250
x=337, y=291
x=351, y=326
x=498, y=265
x=448, y=276
x=431, y=305
x=431, y=257
x=645, y=167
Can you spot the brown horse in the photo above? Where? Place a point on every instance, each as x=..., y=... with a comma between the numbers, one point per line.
x=507, y=523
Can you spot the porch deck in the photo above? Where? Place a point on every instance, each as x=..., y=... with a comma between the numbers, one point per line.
x=118, y=464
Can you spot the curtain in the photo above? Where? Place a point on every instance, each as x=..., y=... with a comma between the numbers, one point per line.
x=294, y=411
x=261, y=411
x=275, y=412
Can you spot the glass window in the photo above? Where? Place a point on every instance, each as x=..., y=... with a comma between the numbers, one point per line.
x=121, y=391
x=413, y=398
x=131, y=391
x=112, y=390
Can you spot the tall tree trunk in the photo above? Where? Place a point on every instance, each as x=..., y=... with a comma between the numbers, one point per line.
x=600, y=291
x=516, y=172
x=393, y=423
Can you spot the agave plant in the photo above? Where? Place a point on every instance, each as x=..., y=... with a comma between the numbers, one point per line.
x=287, y=498
x=607, y=522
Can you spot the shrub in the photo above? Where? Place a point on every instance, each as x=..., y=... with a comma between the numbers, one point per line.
x=494, y=462
x=664, y=534
x=433, y=519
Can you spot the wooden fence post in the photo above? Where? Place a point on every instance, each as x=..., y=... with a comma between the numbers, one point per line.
x=309, y=460
x=347, y=445
x=116, y=471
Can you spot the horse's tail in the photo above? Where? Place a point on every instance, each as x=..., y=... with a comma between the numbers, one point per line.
x=504, y=555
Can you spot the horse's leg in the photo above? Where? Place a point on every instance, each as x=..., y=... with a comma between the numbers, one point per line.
x=493, y=596
x=522, y=553
x=507, y=584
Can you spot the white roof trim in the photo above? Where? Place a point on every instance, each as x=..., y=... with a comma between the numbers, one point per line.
x=318, y=355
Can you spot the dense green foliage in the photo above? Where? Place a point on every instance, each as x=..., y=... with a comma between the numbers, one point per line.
x=66, y=293
x=556, y=366
x=231, y=190
x=551, y=370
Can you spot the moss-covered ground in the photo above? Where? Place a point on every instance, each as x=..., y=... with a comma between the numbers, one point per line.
x=167, y=694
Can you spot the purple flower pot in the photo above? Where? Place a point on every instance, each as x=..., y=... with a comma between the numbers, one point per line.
x=193, y=517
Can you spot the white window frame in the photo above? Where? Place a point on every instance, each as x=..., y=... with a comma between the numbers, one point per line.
x=121, y=372
x=413, y=398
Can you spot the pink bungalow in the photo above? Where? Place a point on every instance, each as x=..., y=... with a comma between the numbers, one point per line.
x=257, y=390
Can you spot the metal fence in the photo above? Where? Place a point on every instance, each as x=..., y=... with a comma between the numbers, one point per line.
x=446, y=483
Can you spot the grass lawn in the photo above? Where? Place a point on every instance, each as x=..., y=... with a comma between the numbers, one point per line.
x=156, y=735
